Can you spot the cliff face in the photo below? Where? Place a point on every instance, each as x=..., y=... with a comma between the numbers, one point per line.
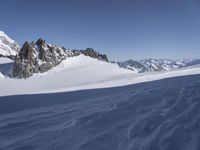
x=38, y=57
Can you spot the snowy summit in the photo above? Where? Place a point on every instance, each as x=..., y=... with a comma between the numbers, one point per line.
x=7, y=45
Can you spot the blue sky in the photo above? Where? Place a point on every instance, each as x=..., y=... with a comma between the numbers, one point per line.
x=122, y=29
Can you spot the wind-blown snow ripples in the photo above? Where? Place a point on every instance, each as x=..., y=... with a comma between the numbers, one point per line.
x=159, y=115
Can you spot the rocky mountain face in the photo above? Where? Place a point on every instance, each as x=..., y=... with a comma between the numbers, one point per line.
x=38, y=57
x=8, y=47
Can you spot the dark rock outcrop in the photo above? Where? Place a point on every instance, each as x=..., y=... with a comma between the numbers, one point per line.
x=91, y=53
x=37, y=57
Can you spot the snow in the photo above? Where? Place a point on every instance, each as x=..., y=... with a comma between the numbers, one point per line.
x=163, y=114
x=4, y=60
x=1, y=76
x=82, y=72
x=166, y=64
x=135, y=70
x=7, y=45
x=2, y=34
x=6, y=65
x=149, y=116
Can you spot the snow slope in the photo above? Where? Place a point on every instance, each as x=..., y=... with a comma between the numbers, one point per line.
x=83, y=72
x=4, y=60
x=7, y=45
x=6, y=65
x=159, y=115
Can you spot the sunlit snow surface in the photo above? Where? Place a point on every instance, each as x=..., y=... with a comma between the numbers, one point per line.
x=159, y=115
x=83, y=72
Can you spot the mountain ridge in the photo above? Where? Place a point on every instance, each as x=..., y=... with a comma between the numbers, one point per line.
x=154, y=65
x=8, y=47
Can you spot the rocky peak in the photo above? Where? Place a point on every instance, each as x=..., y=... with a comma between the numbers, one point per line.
x=37, y=57
x=27, y=51
x=40, y=42
x=92, y=53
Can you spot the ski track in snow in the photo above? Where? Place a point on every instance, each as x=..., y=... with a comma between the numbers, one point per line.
x=159, y=115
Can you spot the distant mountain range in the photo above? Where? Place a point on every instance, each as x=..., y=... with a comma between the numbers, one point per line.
x=40, y=56
x=153, y=65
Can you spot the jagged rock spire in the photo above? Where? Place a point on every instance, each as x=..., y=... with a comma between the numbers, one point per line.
x=37, y=57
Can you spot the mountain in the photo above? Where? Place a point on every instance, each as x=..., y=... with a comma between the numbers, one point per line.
x=37, y=57
x=40, y=56
x=133, y=65
x=8, y=47
x=164, y=64
x=154, y=65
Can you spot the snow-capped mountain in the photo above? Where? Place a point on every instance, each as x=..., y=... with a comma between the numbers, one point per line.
x=164, y=64
x=133, y=65
x=8, y=47
x=153, y=65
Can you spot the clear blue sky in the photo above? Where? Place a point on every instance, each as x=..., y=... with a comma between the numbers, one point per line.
x=120, y=28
